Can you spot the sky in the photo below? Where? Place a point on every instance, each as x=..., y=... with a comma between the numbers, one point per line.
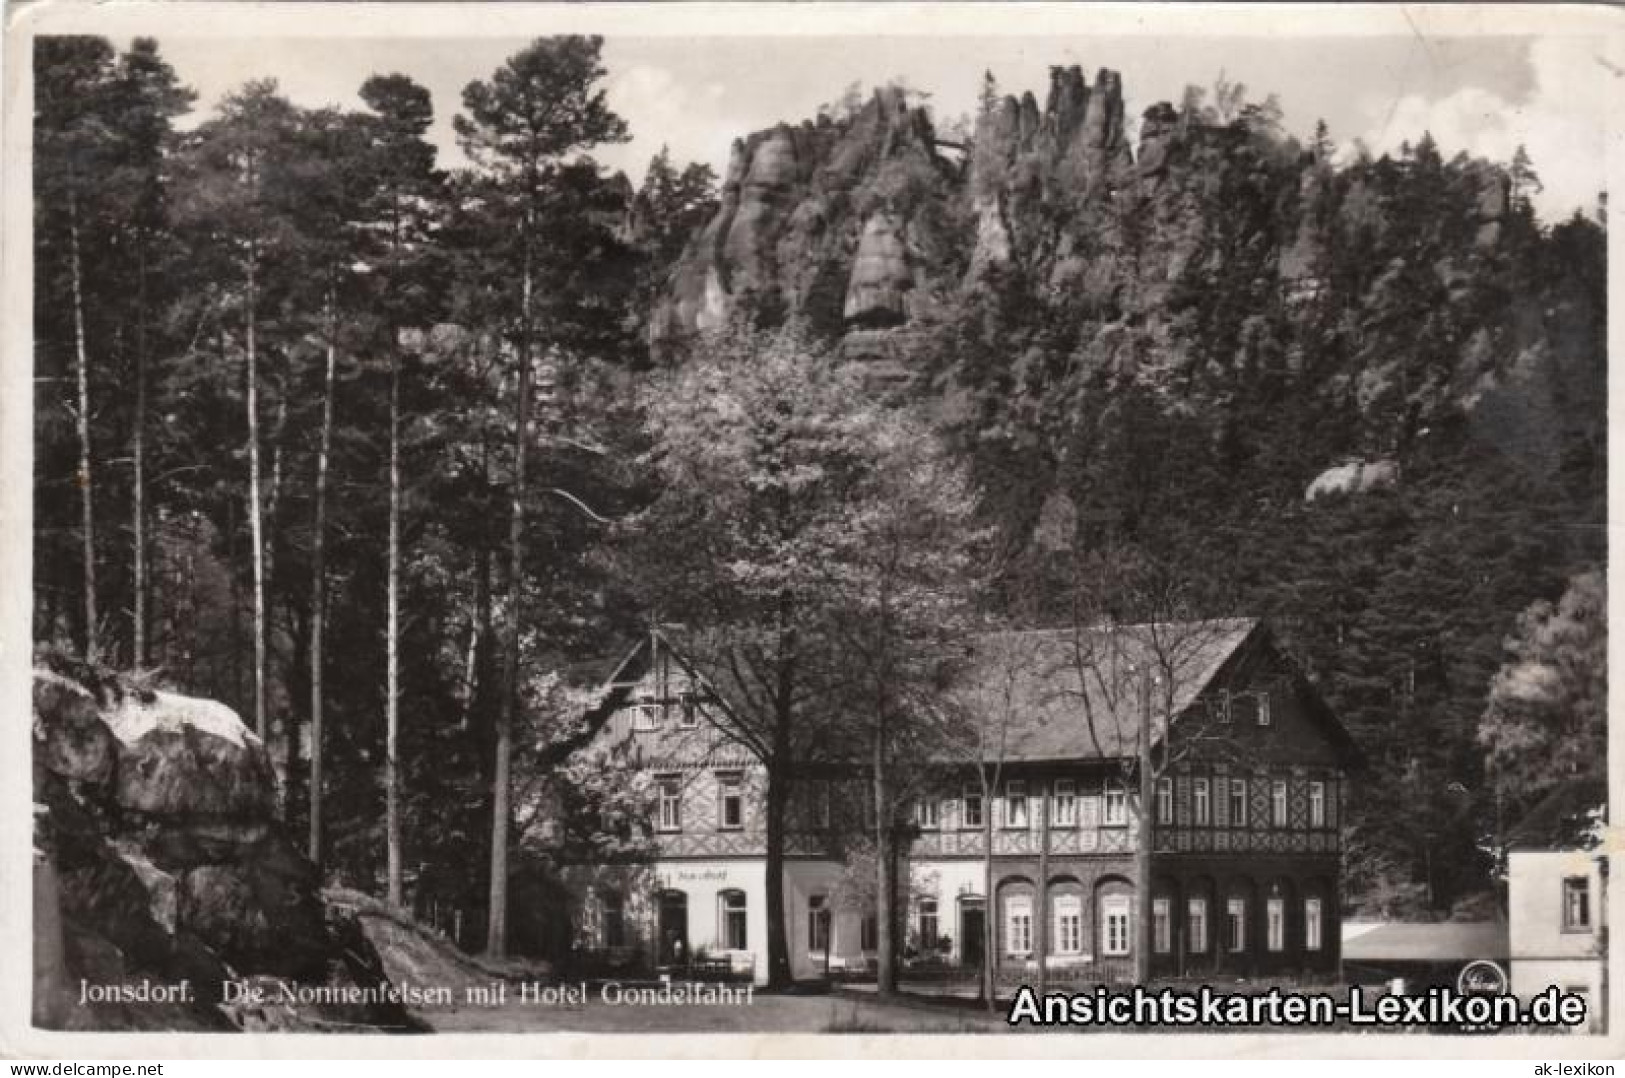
x=1483, y=95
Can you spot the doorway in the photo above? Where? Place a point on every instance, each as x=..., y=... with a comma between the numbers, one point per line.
x=673, y=925
x=972, y=930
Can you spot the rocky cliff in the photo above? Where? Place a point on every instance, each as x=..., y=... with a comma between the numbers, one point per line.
x=159, y=861
x=1027, y=283
x=872, y=224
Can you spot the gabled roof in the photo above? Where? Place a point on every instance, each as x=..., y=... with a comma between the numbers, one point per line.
x=1565, y=819
x=1049, y=682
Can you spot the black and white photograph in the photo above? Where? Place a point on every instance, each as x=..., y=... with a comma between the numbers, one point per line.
x=1043, y=523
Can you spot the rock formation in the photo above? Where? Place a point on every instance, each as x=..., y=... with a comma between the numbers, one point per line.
x=815, y=220
x=1354, y=477
x=160, y=860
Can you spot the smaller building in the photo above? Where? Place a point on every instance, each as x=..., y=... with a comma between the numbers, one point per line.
x=1557, y=874
x=1422, y=954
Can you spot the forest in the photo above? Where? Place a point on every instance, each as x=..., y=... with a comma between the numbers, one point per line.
x=393, y=460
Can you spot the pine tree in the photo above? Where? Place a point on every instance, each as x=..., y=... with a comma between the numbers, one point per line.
x=541, y=108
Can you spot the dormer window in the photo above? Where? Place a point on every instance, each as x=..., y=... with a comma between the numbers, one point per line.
x=1263, y=708
x=645, y=713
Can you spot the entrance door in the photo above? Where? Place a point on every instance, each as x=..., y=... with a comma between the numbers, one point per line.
x=972, y=926
x=673, y=923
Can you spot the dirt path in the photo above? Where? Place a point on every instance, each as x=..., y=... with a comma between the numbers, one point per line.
x=779, y=1014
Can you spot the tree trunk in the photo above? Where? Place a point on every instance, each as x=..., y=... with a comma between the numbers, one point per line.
x=318, y=583
x=255, y=507
x=392, y=763
x=496, y=934
x=138, y=466
x=1041, y=929
x=990, y=933
x=886, y=874
x=1142, y=846
x=92, y=644
x=779, y=974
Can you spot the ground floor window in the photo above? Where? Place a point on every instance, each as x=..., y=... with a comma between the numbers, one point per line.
x=817, y=923
x=1068, y=924
x=1018, y=924
x=1275, y=920
x=1162, y=929
x=929, y=933
x=1311, y=924
x=1236, y=915
x=869, y=933
x=733, y=934
x=1196, y=914
x=612, y=923
x=1114, y=922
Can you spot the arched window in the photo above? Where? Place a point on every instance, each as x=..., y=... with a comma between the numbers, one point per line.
x=731, y=909
x=1114, y=924
x=1018, y=924
x=1068, y=924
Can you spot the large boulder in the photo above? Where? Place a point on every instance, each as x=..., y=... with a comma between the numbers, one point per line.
x=160, y=860
x=1353, y=477
x=193, y=759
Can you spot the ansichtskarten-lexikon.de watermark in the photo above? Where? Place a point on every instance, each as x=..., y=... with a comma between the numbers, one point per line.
x=1204, y=1007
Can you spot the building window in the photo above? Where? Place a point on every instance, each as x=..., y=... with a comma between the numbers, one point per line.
x=1275, y=920
x=646, y=713
x=1224, y=705
x=869, y=933
x=1165, y=800
x=1317, y=804
x=929, y=933
x=733, y=933
x=928, y=813
x=1196, y=916
x=1116, y=806
x=1238, y=802
x=688, y=713
x=1263, y=708
x=1114, y=925
x=1018, y=924
x=1015, y=804
x=817, y=923
x=1576, y=904
x=1068, y=924
x=611, y=923
x=1311, y=924
x=1162, y=927
x=822, y=805
x=670, y=817
x=1066, y=803
x=1278, y=803
x=1236, y=915
x=1201, y=803
x=972, y=816
x=730, y=802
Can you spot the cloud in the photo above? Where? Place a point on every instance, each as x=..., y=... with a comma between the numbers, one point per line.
x=1563, y=123
x=663, y=110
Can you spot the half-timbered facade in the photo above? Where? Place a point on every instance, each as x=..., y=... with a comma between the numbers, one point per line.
x=1252, y=774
